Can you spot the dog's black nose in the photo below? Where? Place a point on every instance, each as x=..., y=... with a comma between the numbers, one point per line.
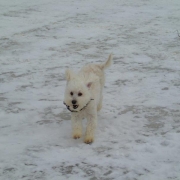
x=74, y=101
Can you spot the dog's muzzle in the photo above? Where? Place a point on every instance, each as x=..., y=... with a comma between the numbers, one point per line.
x=68, y=107
x=76, y=106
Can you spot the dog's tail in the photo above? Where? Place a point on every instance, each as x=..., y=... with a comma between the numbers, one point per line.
x=107, y=63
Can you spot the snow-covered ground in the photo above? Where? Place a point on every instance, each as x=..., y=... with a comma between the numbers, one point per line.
x=138, y=134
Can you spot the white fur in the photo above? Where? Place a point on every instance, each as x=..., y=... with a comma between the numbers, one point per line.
x=90, y=82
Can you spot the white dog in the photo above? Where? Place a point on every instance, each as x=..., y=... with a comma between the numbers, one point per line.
x=83, y=97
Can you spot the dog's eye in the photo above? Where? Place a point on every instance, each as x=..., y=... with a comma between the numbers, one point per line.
x=79, y=94
x=71, y=93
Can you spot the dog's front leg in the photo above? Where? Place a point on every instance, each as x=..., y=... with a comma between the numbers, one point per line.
x=91, y=126
x=76, y=125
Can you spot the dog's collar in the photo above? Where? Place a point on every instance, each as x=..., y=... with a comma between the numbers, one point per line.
x=80, y=109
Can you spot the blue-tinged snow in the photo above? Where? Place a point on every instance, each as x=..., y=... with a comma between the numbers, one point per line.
x=138, y=134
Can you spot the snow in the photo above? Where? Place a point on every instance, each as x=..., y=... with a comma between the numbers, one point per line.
x=139, y=126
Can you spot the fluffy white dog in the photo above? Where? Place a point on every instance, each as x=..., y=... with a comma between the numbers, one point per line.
x=83, y=97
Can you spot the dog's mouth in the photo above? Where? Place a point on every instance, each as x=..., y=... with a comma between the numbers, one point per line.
x=75, y=106
x=68, y=107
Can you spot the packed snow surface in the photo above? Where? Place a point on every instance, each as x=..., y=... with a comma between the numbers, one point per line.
x=138, y=134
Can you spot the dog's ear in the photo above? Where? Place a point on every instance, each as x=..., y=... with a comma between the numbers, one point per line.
x=89, y=85
x=69, y=74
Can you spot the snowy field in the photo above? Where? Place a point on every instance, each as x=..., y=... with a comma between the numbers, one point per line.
x=138, y=134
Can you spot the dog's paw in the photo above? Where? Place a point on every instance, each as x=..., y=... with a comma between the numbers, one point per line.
x=77, y=135
x=88, y=140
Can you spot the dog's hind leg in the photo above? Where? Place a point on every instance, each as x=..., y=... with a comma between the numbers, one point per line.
x=100, y=104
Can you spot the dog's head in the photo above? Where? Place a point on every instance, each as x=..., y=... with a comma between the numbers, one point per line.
x=77, y=93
